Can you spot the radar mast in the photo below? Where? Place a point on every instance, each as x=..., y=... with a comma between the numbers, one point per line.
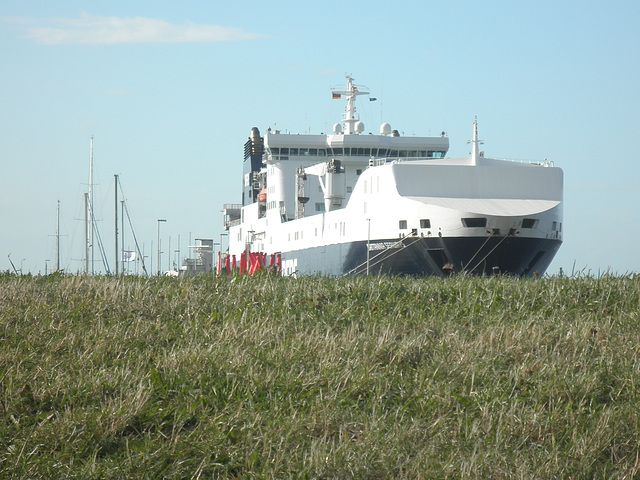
x=350, y=117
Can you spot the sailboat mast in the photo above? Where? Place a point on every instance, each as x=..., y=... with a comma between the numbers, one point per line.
x=58, y=238
x=91, y=212
x=122, y=210
x=116, y=221
x=86, y=234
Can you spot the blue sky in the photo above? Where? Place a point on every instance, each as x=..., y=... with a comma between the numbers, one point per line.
x=170, y=91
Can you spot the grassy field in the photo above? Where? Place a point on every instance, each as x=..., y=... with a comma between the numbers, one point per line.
x=268, y=377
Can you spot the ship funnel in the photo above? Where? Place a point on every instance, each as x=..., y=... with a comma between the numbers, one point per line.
x=255, y=134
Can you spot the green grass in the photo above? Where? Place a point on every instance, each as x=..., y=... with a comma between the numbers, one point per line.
x=269, y=377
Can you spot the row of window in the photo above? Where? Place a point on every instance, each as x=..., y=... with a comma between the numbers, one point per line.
x=284, y=152
x=480, y=222
x=424, y=223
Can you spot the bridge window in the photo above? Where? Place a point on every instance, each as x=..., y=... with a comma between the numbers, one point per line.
x=402, y=224
x=425, y=223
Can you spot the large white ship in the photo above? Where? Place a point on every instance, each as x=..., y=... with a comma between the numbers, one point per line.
x=356, y=203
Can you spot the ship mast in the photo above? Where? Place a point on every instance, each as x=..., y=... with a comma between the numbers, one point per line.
x=475, y=154
x=350, y=117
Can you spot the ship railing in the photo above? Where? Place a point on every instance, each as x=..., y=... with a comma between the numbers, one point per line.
x=231, y=214
x=231, y=223
x=232, y=206
x=376, y=162
x=543, y=163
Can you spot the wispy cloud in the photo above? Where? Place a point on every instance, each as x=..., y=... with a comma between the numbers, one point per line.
x=96, y=30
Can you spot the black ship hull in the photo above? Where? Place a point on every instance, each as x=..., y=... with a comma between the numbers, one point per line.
x=427, y=256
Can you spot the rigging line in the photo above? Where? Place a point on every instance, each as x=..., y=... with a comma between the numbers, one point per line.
x=105, y=262
x=490, y=252
x=355, y=269
x=404, y=247
x=477, y=252
x=133, y=232
x=373, y=258
x=135, y=239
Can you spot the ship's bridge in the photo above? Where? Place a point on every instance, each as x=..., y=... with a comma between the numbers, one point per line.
x=283, y=147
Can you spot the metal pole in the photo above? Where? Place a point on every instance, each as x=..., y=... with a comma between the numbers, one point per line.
x=91, y=219
x=122, y=249
x=86, y=234
x=179, y=265
x=115, y=195
x=159, y=250
x=58, y=238
x=222, y=235
x=368, y=241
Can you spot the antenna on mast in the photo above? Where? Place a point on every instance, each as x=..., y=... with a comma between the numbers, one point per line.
x=350, y=117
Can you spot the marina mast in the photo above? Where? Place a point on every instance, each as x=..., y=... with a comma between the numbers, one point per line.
x=116, y=223
x=91, y=213
x=58, y=238
x=86, y=233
